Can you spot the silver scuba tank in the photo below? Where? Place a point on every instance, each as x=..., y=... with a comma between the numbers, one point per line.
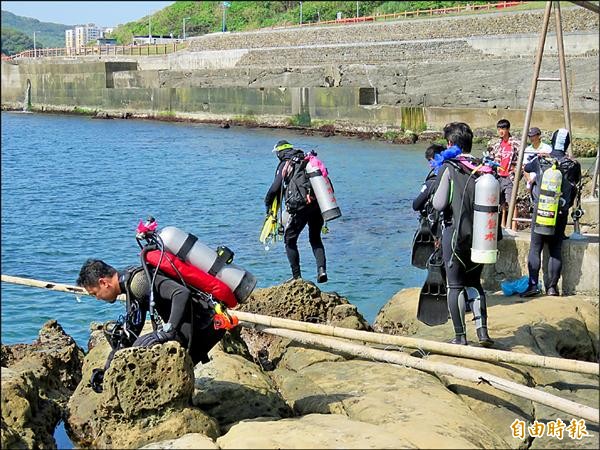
x=324, y=192
x=218, y=264
x=485, y=220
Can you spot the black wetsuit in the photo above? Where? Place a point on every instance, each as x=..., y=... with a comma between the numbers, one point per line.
x=191, y=321
x=457, y=240
x=554, y=241
x=310, y=215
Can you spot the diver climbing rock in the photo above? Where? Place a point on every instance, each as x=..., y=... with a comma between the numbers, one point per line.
x=191, y=327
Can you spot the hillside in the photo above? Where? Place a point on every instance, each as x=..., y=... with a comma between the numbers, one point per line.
x=206, y=16
x=48, y=34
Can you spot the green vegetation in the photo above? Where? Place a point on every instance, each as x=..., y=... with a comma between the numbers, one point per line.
x=48, y=35
x=13, y=41
x=206, y=16
x=300, y=120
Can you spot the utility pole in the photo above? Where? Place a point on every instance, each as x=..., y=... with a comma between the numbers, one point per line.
x=225, y=6
x=34, y=49
x=300, y=13
x=357, y=13
x=149, y=30
x=184, y=19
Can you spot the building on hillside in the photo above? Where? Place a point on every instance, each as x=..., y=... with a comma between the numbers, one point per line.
x=81, y=35
x=108, y=30
x=145, y=40
x=70, y=38
x=106, y=41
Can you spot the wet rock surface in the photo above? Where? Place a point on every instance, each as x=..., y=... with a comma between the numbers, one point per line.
x=265, y=392
x=37, y=380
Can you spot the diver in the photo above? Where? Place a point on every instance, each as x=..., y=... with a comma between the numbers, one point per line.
x=549, y=227
x=305, y=212
x=455, y=196
x=191, y=326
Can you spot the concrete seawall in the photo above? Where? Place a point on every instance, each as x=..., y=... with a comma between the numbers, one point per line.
x=364, y=77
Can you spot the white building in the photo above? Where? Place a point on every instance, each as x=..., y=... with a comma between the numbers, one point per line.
x=82, y=34
x=70, y=38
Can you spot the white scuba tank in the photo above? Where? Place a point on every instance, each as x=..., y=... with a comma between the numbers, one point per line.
x=548, y=202
x=323, y=192
x=485, y=220
x=187, y=247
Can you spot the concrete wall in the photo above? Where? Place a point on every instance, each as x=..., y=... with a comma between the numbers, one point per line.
x=580, y=269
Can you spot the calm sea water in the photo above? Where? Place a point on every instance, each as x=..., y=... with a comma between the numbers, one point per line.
x=74, y=188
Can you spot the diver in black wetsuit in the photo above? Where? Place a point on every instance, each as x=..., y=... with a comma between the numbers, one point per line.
x=190, y=326
x=310, y=214
x=454, y=196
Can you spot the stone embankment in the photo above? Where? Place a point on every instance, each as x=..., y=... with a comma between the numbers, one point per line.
x=260, y=391
x=365, y=78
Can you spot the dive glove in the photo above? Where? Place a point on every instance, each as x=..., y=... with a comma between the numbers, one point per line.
x=96, y=380
x=154, y=338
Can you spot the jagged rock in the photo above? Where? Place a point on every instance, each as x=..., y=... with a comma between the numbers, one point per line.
x=190, y=440
x=37, y=381
x=298, y=300
x=231, y=389
x=146, y=398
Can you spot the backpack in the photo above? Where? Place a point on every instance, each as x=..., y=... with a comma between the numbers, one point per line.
x=298, y=191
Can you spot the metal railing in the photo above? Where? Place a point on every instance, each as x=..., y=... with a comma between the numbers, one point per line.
x=141, y=50
x=406, y=14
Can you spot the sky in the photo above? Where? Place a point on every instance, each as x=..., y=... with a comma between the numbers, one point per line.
x=103, y=14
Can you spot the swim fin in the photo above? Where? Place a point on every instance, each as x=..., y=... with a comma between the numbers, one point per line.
x=433, y=302
x=423, y=245
x=270, y=229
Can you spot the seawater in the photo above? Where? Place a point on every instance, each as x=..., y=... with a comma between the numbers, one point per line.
x=75, y=188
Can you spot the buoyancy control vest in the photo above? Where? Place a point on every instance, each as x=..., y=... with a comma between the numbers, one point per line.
x=474, y=201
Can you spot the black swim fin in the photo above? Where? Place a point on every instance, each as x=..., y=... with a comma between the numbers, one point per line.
x=423, y=245
x=433, y=302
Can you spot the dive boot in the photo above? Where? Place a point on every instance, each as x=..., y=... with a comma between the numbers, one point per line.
x=531, y=291
x=484, y=338
x=459, y=339
x=321, y=275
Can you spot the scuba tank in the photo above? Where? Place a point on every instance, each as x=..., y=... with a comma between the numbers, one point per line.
x=322, y=187
x=548, y=202
x=187, y=247
x=484, y=249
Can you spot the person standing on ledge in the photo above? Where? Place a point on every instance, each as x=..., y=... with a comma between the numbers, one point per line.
x=305, y=212
x=505, y=152
x=553, y=235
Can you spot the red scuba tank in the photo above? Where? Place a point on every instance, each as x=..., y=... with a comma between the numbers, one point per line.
x=193, y=276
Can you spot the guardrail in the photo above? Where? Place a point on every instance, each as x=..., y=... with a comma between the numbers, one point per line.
x=141, y=50
x=406, y=14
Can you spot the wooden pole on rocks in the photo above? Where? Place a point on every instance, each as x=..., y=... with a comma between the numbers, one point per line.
x=460, y=351
x=438, y=368
x=443, y=348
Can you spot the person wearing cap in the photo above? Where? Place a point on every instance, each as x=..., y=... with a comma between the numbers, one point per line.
x=310, y=215
x=537, y=147
x=571, y=176
x=505, y=152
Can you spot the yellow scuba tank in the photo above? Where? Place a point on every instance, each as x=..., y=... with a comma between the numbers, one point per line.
x=548, y=202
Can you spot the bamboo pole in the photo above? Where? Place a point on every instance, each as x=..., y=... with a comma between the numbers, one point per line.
x=438, y=368
x=460, y=351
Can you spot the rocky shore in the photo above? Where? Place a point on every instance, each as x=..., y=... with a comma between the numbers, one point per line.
x=582, y=147
x=261, y=391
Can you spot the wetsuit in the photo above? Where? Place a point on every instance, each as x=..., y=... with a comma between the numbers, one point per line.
x=311, y=215
x=454, y=197
x=554, y=241
x=191, y=324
